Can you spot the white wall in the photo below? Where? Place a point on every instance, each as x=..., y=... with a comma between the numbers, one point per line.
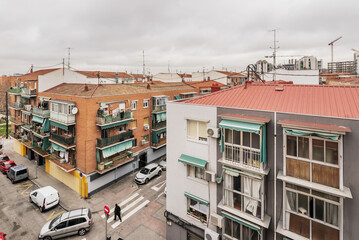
x=177, y=181
x=167, y=77
x=199, y=76
x=297, y=76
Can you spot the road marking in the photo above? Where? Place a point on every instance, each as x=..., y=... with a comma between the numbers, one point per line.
x=29, y=186
x=160, y=185
x=128, y=207
x=131, y=213
x=53, y=216
x=123, y=203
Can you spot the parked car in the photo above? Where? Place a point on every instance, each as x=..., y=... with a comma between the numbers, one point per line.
x=147, y=173
x=45, y=197
x=163, y=165
x=6, y=165
x=4, y=158
x=77, y=221
x=18, y=173
x=2, y=236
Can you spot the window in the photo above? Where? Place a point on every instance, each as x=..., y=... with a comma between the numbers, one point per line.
x=305, y=207
x=197, y=131
x=122, y=128
x=195, y=172
x=145, y=121
x=61, y=225
x=134, y=142
x=134, y=104
x=145, y=103
x=197, y=210
x=76, y=221
x=238, y=231
x=145, y=138
x=134, y=124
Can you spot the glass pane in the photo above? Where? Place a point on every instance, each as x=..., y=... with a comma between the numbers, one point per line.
x=237, y=183
x=292, y=145
x=193, y=204
x=192, y=129
x=255, y=141
x=331, y=214
x=228, y=136
x=228, y=226
x=331, y=149
x=246, y=139
x=202, y=129
x=199, y=173
x=236, y=137
x=323, y=195
x=319, y=209
x=292, y=201
x=318, y=150
x=303, y=147
x=303, y=204
x=190, y=170
x=203, y=208
x=236, y=230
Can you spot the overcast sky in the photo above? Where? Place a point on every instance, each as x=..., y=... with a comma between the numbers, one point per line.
x=109, y=35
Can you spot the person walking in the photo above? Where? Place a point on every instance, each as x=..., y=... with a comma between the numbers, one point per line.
x=117, y=212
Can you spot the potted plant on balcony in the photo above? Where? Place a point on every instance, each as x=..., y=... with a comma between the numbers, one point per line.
x=129, y=154
x=100, y=166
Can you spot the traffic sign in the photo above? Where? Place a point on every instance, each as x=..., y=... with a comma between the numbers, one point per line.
x=106, y=210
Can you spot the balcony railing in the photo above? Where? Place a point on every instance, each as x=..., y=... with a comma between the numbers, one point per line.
x=28, y=91
x=160, y=142
x=239, y=201
x=243, y=156
x=109, y=118
x=15, y=90
x=41, y=112
x=27, y=125
x=16, y=120
x=68, y=141
x=158, y=125
x=63, y=117
x=103, y=142
x=16, y=135
x=114, y=161
x=16, y=104
x=159, y=108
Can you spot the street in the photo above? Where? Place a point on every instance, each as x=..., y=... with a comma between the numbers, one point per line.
x=142, y=206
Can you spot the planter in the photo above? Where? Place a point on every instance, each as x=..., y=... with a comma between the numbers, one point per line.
x=100, y=166
x=108, y=164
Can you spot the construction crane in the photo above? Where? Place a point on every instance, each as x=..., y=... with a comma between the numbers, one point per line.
x=331, y=45
x=284, y=56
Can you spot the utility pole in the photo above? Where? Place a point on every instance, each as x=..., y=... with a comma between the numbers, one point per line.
x=68, y=58
x=144, y=66
x=7, y=115
x=63, y=66
x=274, y=52
x=169, y=66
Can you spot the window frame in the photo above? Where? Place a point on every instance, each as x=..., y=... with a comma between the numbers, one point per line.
x=134, y=104
x=145, y=103
x=195, y=171
x=197, y=137
x=241, y=231
x=189, y=207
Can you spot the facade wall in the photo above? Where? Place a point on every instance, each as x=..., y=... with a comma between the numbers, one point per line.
x=296, y=76
x=167, y=77
x=59, y=76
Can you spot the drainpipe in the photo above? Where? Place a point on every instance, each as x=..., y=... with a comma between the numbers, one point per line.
x=275, y=176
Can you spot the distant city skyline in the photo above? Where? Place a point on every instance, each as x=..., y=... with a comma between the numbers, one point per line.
x=183, y=36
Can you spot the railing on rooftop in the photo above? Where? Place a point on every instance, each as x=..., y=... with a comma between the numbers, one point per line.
x=41, y=112
x=65, y=140
x=109, y=118
x=103, y=142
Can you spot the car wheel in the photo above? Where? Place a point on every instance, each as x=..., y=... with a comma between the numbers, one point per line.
x=159, y=173
x=146, y=181
x=30, y=200
x=47, y=238
x=82, y=232
x=12, y=181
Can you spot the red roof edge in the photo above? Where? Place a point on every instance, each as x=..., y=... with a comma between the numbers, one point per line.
x=54, y=87
x=246, y=118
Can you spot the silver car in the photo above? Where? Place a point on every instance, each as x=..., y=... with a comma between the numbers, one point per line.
x=147, y=173
x=69, y=223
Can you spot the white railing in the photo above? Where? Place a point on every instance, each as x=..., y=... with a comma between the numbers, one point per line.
x=242, y=155
x=62, y=117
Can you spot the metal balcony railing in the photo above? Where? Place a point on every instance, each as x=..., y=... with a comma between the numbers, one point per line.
x=109, y=118
x=242, y=155
x=68, y=141
x=41, y=112
x=159, y=125
x=103, y=142
x=159, y=108
x=63, y=117
x=28, y=91
x=16, y=104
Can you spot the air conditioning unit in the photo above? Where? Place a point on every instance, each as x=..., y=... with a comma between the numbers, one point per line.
x=143, y=142
x=213, y=132
x=210, y=176
x=146, y=127
x=216, y=220
x=210, y=234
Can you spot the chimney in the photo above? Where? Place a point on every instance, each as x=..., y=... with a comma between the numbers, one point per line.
x=116, y=77
x=215, y=88
x=86, y=88
x=32, y=68
x=148, y=86
x=208, y=78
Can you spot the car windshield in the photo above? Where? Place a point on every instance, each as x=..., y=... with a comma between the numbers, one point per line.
x=55, y=221
x=144, y=170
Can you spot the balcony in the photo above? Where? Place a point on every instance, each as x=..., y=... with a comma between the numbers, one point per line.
x=158, y=125
x=60, y=162
x=160, y=143
x=112, y=162
x=15, y=90
x=242, y=156
x=64, y=140
x=41, y=112
x=16, y=105
x=102, y=120
x=15, y=135
x=15, y=120
x=28, y=92
x=27, y=126
x=159, y=108
x=103, y=142
x=37, y=131
x=63, y=117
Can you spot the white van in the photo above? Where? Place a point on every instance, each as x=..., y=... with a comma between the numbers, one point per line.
x=45, y=197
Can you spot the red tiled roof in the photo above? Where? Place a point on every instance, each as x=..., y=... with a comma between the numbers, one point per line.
x=231, y=73
x=334, y=101
x=204, y=84
x=40, y=72
x=185, y=75
x=93, y=74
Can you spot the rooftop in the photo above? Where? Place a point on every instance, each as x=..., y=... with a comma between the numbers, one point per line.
x=204, y=84
x=94, y=90
x=333, y=101
x=93, y=74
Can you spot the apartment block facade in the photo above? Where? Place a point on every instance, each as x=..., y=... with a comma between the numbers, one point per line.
x=264, y=162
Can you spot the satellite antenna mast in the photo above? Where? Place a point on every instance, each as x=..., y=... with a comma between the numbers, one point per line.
x=144, y=66
x=274, y=52
x=68, y=58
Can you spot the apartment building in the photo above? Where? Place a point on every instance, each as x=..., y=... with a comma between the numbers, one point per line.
x=264, y=161
x=89, y=135
x=223, y=77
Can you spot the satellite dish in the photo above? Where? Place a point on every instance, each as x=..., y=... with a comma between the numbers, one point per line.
x=74, y=110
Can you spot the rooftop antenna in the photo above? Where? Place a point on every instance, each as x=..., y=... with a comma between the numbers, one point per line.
x=274, y=52
x=169, y=66
x=144, y=66
x=68, y=57
x=331, y=46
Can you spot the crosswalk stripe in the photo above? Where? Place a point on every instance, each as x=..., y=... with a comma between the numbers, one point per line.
x=116, y=224
x=160, y=185
x=128, y=207
x=122, y=203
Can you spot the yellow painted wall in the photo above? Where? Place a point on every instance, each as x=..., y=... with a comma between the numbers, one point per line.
x=23, y=149
x=17, y=146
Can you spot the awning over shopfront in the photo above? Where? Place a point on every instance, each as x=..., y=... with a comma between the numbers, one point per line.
x=200, y=163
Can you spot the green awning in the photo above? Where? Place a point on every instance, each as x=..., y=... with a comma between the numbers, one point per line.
x=115, y=124
x=198, y=199
x=37, y=119
x=45, y=144
x=107, y=152
x=59, y=125
x=240, y=126
x=25, y=96
x=230, y=171
x=263, y=156
x=159, y=131
x=156, y=133
x=57, y=147
x=46, y=126
x=240, y=222
x=297, y=132
x=26, y=113
x=177, y=97
x=192, y=161
x=98, y=156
